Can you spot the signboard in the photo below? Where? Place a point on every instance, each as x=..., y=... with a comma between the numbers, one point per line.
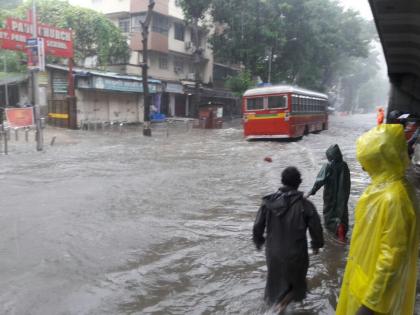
x=114, y=84
x=43, y=78
x=174, y=88
x=20, y=117
x=57, y=42
x=36, y=54
x=59, y=83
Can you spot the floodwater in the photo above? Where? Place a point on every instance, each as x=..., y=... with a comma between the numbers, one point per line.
x=111, y=223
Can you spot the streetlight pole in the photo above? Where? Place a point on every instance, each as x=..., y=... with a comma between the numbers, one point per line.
x=147, y=131
x=270, y=60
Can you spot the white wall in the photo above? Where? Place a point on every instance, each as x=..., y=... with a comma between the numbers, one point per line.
x=104, y=6
x=175, y=10
x=98, y=106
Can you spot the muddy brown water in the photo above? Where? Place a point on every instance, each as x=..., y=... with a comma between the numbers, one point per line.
x=110, y=223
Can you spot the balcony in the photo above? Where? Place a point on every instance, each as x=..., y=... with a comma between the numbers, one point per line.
x=156, y=42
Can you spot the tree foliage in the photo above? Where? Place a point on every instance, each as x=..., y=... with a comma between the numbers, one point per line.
x=195, y=9
x=311, y=43
x=240, y=83
x=307, y=40
x=95, y=36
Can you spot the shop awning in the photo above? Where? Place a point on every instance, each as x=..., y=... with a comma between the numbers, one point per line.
x=12, y=78
x=110, y=81
x=208, y=92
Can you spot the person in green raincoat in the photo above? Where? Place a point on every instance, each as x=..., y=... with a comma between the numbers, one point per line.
x=335, y=177
x=381, y=272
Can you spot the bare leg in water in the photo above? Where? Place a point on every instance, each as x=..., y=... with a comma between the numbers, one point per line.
x=282, y=305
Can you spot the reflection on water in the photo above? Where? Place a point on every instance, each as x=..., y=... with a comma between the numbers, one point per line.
x=120, y=224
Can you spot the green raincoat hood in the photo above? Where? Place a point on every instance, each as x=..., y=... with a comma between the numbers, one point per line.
x=334, y=153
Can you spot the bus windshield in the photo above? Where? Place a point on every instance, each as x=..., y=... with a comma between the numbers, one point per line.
x=277, y=101
x=255, y=103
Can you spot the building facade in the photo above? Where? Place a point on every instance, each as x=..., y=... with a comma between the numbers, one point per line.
x=171, y=58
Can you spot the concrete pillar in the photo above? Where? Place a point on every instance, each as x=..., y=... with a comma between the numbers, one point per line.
x=172, y=104
x=405, y=94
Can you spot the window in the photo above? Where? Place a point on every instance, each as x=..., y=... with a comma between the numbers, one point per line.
x=163, y=61
x=277, y=101
x=179, y=31
x=136, y=21
x=124, y=25
x=295, y=103
x=255, y=103
x=160, y=24
x=178, y=65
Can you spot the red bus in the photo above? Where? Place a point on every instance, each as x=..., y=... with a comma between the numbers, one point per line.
x=283, y=111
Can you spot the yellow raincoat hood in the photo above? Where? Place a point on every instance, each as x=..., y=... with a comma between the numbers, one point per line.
x=382, y=152
x=381, y=266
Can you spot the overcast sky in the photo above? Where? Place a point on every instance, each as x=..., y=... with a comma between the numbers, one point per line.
x=360, y=5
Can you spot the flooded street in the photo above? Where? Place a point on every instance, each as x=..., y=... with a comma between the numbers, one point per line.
x=110, y=223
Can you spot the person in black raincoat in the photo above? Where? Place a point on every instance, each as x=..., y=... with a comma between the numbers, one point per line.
x=335, y=176
x=285, y=217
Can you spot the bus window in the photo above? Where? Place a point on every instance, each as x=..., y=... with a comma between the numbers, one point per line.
x=277, y=102
x=295, y=103
x=255, y=103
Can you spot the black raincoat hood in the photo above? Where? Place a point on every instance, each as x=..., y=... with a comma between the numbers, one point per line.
x=334, y=153
x=280, y=202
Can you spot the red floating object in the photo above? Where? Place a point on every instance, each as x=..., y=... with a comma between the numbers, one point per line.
x=268, y=159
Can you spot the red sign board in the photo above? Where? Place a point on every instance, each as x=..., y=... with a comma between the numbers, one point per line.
x=20, y=117
x=57, y=42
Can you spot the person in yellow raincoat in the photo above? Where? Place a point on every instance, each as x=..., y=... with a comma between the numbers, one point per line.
x=380, y=275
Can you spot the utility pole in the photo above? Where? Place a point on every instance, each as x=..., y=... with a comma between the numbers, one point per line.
x=147, y=131
x=37, y=113
x=6, y=94
x=197, y=58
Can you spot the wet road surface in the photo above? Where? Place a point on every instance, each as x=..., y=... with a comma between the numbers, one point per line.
x=110, y=223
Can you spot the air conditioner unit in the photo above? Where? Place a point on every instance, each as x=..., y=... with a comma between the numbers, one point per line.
x=188, y=45
x=191, y=76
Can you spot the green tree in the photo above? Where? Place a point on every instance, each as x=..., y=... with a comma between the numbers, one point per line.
x=195, y=13
x=95, y=36
x=240, y=83
x=304, y=41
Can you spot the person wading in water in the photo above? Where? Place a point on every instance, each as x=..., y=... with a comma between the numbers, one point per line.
x=335, y=177
x=285, y=217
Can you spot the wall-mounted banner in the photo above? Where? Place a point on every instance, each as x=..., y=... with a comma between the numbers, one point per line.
x=20, y=117
x=58, y=42
x=114, y=84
